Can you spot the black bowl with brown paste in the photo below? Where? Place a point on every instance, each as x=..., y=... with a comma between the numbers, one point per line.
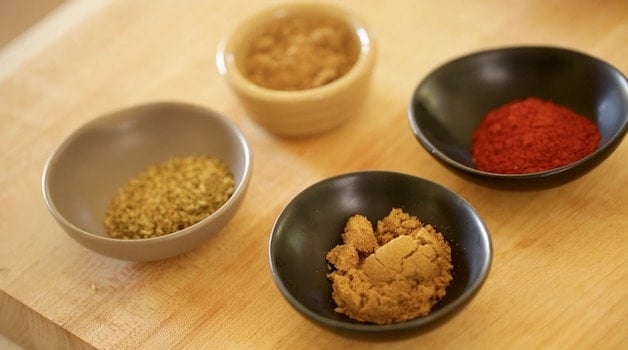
x=312, y=224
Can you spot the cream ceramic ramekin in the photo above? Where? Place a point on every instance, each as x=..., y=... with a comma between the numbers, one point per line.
x=298, y=112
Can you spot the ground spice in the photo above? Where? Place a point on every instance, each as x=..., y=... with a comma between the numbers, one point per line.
x=297, y=53
x=532, y=135
x=168, y=197
x=394, y=273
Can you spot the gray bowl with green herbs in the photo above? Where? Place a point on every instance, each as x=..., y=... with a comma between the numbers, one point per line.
x=86, y=170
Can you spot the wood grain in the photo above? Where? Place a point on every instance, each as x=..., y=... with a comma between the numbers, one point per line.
x=559, y=277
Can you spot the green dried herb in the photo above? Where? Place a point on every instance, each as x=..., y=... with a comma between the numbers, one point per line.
x=169, y=197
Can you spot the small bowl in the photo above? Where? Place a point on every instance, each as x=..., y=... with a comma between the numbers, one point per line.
x=298, y=112
x=83, y=174
x=312, y=223
x=449, y=103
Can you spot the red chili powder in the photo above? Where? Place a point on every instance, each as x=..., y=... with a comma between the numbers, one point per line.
x=532, y=135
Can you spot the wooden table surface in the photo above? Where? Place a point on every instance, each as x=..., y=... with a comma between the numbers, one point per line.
x=559, y=277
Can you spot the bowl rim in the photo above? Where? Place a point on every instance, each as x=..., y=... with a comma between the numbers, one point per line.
x=239, y=190
x=226, y=63
x=432, y=318
x=435, y=152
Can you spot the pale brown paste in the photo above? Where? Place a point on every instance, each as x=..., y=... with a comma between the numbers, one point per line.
x=298, y=53
x=394, y=273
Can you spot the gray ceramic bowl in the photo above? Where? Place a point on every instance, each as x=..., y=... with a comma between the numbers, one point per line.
x=312, y=223
x=85, y=171
x=448, y=104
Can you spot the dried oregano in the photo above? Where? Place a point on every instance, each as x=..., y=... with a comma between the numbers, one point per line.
x=168, y=197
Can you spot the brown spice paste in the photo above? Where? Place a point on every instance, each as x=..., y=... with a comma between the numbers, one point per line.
x=168, y=197
x=394, y=273
x=297, y=53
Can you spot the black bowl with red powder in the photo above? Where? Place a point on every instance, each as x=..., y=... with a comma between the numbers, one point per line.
x=521, y=112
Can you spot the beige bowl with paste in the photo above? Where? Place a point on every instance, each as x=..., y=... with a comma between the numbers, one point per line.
x=306, y=111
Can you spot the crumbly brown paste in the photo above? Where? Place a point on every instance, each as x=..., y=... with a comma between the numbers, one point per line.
x=394, y=273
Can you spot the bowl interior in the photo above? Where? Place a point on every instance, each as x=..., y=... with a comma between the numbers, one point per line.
x=241, y=39
x=88, y=168
x=313, y=222
x=449, y=103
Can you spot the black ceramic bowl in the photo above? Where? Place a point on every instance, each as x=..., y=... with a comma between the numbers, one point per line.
x=449, y=103
x=312, y=223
